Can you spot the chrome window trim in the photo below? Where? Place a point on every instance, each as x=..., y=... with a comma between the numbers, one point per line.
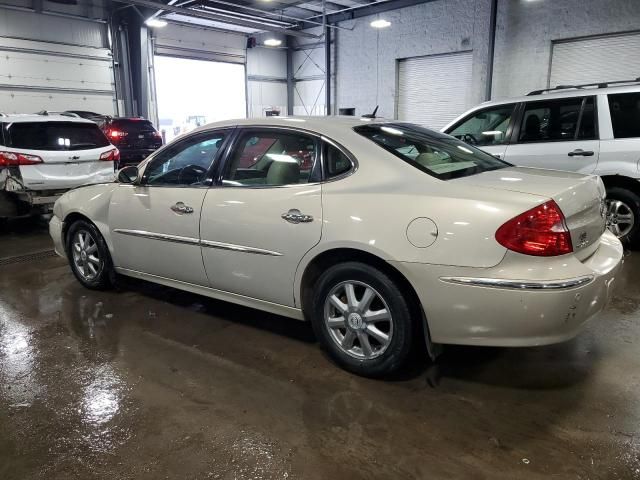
x=520, y=284
x=194, y=241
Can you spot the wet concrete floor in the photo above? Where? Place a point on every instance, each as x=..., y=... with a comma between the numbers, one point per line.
x=151, y=383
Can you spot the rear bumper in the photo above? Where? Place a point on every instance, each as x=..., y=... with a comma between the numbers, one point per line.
x=134, y=156
x=487, y=309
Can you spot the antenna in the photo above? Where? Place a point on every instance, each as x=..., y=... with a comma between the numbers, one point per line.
x=371, y=115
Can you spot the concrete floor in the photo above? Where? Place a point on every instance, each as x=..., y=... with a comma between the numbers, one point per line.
x=152, y=383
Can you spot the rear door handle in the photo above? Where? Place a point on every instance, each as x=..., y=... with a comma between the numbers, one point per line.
x=581, y=153
x=295, y=216
x=180, y=208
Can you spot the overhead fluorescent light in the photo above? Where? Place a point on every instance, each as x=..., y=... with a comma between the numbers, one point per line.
x=380, y=23
x=272, y=42
x=155, y=23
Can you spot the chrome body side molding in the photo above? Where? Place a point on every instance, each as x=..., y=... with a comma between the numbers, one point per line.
x=195, y=241
x=520, y=284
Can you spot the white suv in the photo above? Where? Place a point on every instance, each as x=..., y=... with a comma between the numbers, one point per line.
x=44, y=155
x=592, y=129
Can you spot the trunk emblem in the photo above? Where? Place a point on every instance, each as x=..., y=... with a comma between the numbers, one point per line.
x=582, y=240
x=74, y=158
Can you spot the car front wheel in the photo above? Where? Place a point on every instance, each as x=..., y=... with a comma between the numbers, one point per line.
x=362, y=319
x=89, y=256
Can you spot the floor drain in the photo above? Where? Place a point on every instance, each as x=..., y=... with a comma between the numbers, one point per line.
x=30, y=257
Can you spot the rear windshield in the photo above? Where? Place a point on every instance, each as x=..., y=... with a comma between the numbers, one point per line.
x=438, y=155
x=133, y=126
x=55, y=136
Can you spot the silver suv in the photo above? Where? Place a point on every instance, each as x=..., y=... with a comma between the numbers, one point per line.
x=591, y=129
x=44, y=155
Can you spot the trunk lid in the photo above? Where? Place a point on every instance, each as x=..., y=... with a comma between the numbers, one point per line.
x=580, y=197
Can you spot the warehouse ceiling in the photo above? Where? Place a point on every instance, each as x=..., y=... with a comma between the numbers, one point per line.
x=253, y=16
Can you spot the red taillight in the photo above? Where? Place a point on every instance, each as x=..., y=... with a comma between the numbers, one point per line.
x=112, y=155
x=541, y=231
x=113, y=133
x=10, y=159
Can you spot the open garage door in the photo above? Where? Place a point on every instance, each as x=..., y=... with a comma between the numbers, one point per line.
x=54, y=63
x=599, y=59
x=191, y=93
x=433, y=90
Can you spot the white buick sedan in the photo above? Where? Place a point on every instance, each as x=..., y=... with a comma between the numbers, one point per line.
x=382, y=234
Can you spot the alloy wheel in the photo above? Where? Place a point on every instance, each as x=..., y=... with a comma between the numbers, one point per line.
x=86, y=256
x=358, y=320
x=620, y=218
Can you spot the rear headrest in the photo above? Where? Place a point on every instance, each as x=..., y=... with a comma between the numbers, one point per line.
x=283, y=173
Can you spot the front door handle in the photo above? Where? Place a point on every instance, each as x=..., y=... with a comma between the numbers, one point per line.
x=578, y=152
x=295, y=216
x=180, y=208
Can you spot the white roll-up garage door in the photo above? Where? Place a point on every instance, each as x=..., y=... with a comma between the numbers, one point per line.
x=54, y=63
x=433, y=90
x=200, y=43
x=592, y=60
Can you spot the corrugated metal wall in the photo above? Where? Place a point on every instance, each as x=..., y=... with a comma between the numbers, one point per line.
x=54, y=63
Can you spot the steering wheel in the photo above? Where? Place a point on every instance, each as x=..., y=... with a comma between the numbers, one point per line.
x=195, y=171
x=469, y=138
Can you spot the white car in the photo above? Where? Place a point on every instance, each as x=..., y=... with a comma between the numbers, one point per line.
x=592, y=129
x=377, y=232
x=44, y=155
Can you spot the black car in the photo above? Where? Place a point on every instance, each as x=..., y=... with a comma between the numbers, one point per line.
x=136, y=138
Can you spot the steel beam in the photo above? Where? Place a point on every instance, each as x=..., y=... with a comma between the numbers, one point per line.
x=367, y=10
x=257, y=24
x=492, y=48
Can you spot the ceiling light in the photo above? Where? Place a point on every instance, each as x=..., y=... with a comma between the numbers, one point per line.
x=380, y=23
x=272, y=42
x=155, y=23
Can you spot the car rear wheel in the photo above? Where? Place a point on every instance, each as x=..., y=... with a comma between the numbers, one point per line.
x=623, y=215
x=89, y=256
x=362, y=319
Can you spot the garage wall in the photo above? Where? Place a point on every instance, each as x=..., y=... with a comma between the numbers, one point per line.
x=526, y=30
x=54, y=63
x=309, y=66
x=266, y=79
x=366, y=57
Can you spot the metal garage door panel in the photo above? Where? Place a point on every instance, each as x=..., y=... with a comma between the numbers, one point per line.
x=591, y=60
x=198, y=43
x=433, y=90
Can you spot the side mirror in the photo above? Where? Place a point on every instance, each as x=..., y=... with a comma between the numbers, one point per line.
x=128, y=174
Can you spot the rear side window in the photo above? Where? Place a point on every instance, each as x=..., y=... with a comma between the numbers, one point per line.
x=486, y=127
x=625, y=114
x=55, y=136
x=557, y=120
x=438, y=155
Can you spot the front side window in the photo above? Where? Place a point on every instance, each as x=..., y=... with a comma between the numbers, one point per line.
x=55, y=136
x=273, y=158
x=185, y=163
x=486, y=127
x=556, y=120
x=625, y=114
x=438, y=155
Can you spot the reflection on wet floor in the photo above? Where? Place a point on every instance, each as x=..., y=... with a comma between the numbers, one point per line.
x=149, y=382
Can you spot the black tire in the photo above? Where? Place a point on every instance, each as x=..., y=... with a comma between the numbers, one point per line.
x=632, y=200
x=392, y=357
x=104, y=273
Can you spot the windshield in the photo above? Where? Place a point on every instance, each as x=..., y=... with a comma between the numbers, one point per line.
x=438, y=155
x=56, y=136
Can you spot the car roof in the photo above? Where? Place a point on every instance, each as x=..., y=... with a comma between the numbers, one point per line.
x=331, y=126
x=564, y=93
x=35, y=117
